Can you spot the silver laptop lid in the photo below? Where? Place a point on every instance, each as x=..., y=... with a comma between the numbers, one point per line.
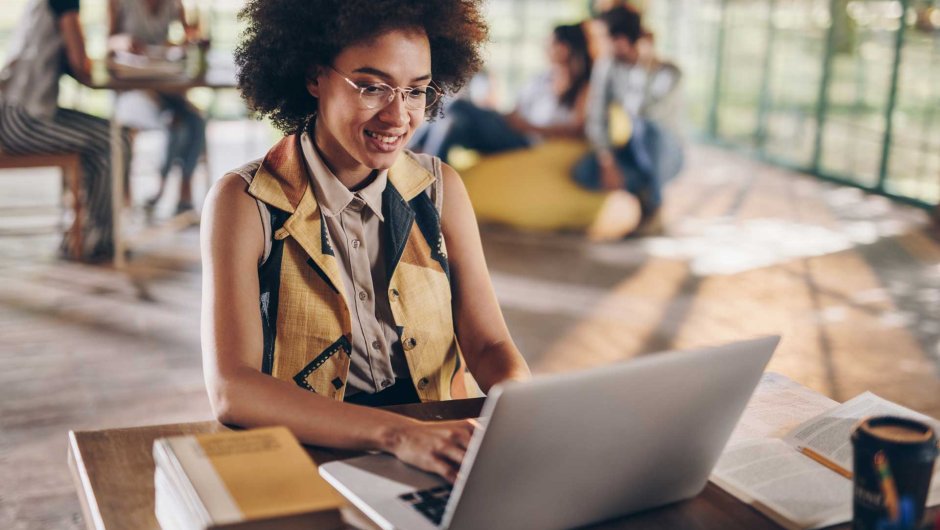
x=565, y=450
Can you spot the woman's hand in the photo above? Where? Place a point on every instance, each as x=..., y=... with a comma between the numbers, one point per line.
x=519, y=124
x=611, y=176
x=438, y=447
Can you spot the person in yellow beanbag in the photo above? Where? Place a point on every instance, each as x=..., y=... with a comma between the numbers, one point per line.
x=532, y=189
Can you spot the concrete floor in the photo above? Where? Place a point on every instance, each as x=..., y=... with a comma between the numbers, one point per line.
x=851, y=281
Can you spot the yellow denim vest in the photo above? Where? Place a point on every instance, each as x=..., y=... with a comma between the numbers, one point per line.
x=305, y=316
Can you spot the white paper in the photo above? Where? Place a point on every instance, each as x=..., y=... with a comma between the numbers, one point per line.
x=778, y=405
x=789, y=487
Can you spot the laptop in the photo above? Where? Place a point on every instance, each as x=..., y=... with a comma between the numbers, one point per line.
x=564, y=450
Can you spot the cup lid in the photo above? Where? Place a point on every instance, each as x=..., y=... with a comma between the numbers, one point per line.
x=893, y=431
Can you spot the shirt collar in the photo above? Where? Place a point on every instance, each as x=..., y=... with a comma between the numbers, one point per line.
x=331, y=194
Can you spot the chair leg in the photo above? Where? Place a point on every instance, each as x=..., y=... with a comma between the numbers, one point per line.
x=72, y=174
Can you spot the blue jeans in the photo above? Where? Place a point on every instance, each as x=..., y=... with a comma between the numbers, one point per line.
x=467, y=125
x=651, y=159
x=187, y=136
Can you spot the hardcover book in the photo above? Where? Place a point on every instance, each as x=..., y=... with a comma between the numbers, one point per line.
x=254, y=479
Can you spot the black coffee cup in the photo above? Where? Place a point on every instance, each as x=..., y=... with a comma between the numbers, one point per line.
x=893, y=463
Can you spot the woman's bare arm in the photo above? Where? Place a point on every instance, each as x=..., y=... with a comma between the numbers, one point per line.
x=74, y=40
x=232, y=242
x=573, y=129
x=481, y=330
x=188, y=27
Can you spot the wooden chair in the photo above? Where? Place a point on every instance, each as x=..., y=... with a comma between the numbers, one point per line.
x=70, y=165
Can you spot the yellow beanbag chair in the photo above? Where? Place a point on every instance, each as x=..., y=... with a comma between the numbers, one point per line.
x=532, y=189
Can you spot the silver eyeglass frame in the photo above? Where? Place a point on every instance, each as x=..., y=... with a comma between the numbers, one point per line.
x=395, y=91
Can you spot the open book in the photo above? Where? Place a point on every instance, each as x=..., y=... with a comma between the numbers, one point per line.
x=791, y=455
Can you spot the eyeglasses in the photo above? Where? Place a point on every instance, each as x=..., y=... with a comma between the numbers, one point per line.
x=375, y=95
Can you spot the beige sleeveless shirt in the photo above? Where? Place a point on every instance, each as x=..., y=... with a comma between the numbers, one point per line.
x=354, y=228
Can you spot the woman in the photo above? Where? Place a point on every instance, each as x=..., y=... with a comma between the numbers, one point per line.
x=365, y=260
x=551, y=106
x=48, y=44
x=137, y=26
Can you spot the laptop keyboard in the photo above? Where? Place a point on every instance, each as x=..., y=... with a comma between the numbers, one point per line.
x=430, y=502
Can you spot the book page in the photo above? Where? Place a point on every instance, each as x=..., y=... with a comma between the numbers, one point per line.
x=790, y=488
x=778, y=405
x=830, y=434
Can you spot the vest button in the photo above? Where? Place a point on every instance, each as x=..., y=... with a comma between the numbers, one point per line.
x=393, y=294
x=409, y=343
x=423, y=383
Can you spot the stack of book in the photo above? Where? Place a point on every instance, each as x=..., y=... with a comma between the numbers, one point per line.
x=251, y=480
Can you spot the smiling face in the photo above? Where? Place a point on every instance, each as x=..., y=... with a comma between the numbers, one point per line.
x=355, y=140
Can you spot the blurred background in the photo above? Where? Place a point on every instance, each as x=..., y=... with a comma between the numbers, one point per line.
x=846, y=90
x=804, y=208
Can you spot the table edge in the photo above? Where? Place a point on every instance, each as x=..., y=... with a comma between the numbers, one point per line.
x=82, y=482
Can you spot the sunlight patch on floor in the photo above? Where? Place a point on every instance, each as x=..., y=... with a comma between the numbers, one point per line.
x=724, y=247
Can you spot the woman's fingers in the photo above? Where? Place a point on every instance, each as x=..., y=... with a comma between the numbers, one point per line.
x=462, y=436
x=453, y=453
x=438, y=447
x=446, y=468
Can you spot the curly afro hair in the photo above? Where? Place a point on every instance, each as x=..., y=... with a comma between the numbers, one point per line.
x=285, y=39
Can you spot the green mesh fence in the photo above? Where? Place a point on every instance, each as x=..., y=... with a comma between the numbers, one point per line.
x=844, y=89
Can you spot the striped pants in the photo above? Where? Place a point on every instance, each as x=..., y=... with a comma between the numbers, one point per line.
x=70, y=131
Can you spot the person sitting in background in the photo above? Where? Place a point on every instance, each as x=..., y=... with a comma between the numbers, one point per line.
x=137, y=26
x=47, y=44
x=647, y=90
x=552, y=105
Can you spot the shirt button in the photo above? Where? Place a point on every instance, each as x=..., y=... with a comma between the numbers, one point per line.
x=376, y=344
x=362, y=295
x=355, y=243
x=386, y=383
x=423, y=383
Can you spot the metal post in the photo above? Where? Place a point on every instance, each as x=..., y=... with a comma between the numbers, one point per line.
x=822, y=104
x=760, y=135
x=117, y=191
x=892, y=98
x=719, y=66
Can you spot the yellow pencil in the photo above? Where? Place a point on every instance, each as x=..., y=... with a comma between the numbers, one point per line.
x=826, y=462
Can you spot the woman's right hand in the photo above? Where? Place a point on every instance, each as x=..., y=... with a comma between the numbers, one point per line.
x=438, y=447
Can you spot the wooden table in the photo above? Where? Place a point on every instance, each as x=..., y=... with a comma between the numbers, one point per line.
x=113, y=473
x=217, y=76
